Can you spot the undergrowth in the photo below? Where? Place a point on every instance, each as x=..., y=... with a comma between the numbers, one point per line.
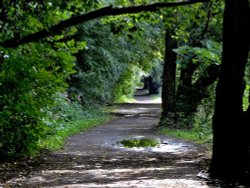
x=198, y=127
x=57, y=140
x=68, y=118
x=190, y=135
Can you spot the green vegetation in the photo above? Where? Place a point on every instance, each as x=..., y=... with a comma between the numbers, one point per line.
x=198, y=126
x=58, y=70
x=197, y=136
x=29, y=77
x=57, y=139
x=143, y=142
x=52, y=88
x=246, y=94
x=67, y=118
x=124, y=99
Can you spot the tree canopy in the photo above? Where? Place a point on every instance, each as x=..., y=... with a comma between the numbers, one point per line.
x=106, y=11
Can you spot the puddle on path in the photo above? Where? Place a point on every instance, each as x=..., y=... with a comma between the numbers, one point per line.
x=165, y=146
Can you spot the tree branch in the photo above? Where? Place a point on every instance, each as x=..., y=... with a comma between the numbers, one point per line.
x=106, y=11
x=209, y=15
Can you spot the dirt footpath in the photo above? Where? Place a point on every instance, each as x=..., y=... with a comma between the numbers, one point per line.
x=95, y=159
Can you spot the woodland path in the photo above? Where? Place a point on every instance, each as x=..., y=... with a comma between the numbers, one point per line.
x=94, y=160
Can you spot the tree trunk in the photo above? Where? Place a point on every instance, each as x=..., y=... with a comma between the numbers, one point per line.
x=169, y=77
x=230, y=132
x=184, y=98
x=187, y=74
x=190, y=95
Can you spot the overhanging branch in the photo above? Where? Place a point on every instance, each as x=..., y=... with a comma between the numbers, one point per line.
x=106, y=11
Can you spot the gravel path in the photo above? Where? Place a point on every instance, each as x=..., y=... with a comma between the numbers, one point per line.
x=95, y=159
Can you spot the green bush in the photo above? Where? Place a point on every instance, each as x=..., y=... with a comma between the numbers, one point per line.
x=29, y=77
x=99, y=65
x=126, y=85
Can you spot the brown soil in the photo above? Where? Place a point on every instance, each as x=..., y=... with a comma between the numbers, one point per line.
x=95, y=159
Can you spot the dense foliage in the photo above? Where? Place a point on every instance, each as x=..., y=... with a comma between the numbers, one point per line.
x=198, y=61
x=54, y=87
x=47, y=84
x=107, y=67
x=32, y=74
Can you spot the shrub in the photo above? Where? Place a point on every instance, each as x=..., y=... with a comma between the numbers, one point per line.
x=29, y=77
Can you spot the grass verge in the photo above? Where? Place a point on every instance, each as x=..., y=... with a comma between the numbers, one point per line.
x=57, y=140
x=193, y=135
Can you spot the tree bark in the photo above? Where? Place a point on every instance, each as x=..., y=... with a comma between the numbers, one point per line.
x=230, y=132
x=169, y=77
x=184, y=94
x=187, y=74
x=190, y=95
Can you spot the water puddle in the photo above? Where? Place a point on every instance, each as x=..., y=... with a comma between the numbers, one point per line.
x=142, y=144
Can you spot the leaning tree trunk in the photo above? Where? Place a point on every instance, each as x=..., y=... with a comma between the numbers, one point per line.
x=169, y=79
x=230, y=132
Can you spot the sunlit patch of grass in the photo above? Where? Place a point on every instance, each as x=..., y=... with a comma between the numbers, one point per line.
x=190, y=135
x=144, y=142
x=124, y=99
x=57, y=140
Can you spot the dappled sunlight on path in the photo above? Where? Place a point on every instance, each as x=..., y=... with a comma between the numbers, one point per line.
x=95, y=159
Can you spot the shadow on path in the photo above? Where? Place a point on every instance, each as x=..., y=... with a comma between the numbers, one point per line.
x=93, y=159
